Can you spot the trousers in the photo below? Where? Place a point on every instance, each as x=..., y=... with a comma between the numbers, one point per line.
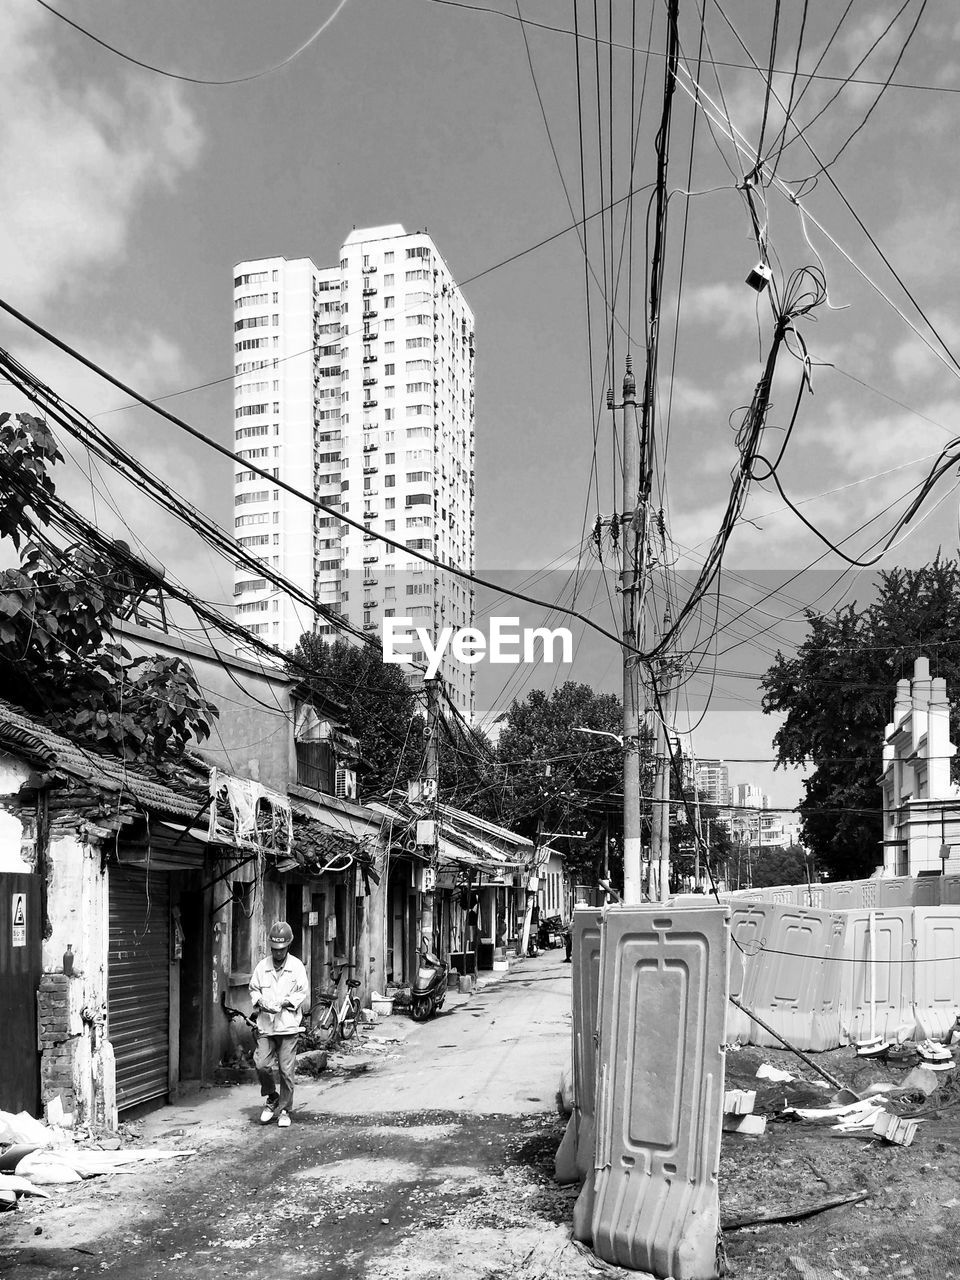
x=280, y=1053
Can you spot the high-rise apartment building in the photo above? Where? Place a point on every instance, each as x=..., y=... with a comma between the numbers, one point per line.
x=355, y=384
x=712, y=781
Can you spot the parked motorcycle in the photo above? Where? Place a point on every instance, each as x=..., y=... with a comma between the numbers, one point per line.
x=550, y=933
x=429, y=987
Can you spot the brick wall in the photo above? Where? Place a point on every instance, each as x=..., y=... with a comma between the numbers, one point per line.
x=58, y=1047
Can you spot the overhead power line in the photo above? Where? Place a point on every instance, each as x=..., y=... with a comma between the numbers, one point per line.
x=713, y=62
x=452, y=569
x=173, y=75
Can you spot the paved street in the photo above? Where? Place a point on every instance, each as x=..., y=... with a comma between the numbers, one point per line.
x=431, y=1158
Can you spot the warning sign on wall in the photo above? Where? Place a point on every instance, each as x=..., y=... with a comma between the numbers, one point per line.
x=19, y=904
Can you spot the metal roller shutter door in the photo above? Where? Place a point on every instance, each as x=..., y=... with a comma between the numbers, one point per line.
x=138, y=983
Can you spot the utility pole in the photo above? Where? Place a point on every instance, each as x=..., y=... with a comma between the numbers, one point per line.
x=430, y=775
x=660, y=814
x=631, y=587
x=533, y=888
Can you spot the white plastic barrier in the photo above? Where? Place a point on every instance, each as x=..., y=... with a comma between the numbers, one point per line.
x=585, y=954
x=878, y=975
x=791, y=974
x=653, y=1204
x=936, y=971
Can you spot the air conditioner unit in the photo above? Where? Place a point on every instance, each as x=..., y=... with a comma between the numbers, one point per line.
x=345, y=784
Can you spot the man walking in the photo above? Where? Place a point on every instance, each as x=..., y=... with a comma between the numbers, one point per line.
x=278, y=989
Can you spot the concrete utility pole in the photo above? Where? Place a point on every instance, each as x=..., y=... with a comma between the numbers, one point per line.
x=660, y=813
x=430, y=774
x=533, y=888
x=631, y=586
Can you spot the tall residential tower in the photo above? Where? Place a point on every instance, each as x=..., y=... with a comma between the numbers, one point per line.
x=355, y=384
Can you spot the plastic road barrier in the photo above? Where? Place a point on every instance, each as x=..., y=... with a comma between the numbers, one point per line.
x=654, y=1203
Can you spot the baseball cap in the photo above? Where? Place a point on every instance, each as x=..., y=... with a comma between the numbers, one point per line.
x=281, y=935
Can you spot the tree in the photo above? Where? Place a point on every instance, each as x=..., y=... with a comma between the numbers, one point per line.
x=781, y=866
x=837, y=695
x=59, y=659
x=558, y=779
x=381, y=709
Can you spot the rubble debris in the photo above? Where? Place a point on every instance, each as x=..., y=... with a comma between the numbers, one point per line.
x=937, y=1057
x=750, y=1125
x=794, y=1215
x=920, y=1080
x=56, y=1115
x=739, y=1102
x=48, y=1167
x=10, y=1158
x=24, y=1128
x=895, y=1129
x=313, y=1062
x=21, y=1186
x=766, y=1072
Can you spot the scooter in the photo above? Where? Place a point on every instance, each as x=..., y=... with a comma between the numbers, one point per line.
x=429, y=987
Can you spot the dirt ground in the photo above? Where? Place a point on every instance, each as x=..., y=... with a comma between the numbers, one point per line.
x=388, y=1175
x=909, y=1224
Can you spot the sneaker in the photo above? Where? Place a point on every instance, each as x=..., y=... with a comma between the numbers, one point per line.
x=267, y=1114
x=284, y=1120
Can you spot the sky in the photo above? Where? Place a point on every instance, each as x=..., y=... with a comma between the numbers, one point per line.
x=129, y=196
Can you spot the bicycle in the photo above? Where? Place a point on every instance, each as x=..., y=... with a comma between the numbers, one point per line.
x=338, y=1020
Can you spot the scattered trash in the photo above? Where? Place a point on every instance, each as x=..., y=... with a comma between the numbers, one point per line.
x=23, y=1128
x=13, y=1155
x=920, y=1080
x=750, y=1125
x=11, y=1182
x=739, y=1102
x=895, y=1129
x=793, y=1215
x=937, y=1057
x=56, y=1115
x=766, y=1072
x=46, y=1167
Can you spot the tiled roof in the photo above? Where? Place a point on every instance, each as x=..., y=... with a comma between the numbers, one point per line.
x=57, y=755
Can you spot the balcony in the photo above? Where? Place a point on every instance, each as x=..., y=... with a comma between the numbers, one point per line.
x=370, y=404
x=369, y=626
x=370, y=315
x=369, y=604
x=370, y=582
x=369, y=359
x=370, y=382
x=368, y=293
x=369, y=448
x=370, y=559
x=370, y=471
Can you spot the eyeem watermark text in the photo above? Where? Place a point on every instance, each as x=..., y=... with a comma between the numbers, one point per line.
x=505, y=645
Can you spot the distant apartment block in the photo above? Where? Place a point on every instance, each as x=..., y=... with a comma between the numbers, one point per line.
x=355, y=384
x=712, y=782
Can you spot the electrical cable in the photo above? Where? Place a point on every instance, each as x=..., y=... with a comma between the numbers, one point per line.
x=452, y=569
x=172, y=75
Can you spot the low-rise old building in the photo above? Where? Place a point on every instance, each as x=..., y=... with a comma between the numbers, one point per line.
x=921, y=806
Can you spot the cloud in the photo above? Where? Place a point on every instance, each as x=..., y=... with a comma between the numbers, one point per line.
x=77, y=160
x=686, y=398
x=731, y=309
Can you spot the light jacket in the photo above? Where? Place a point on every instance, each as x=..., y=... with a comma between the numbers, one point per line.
x=286, y=989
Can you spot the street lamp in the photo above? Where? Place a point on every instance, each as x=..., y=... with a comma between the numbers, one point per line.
x=599, y=733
